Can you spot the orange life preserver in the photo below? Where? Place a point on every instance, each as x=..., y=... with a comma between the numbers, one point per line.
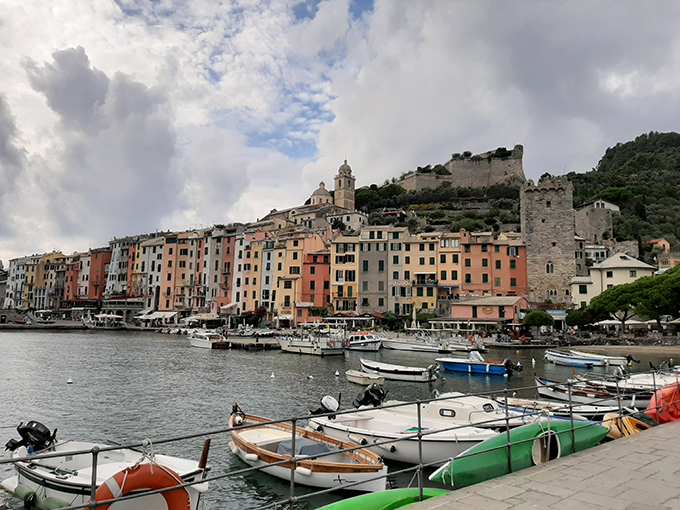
x=347, y=343
x=141, y=477
x=331, y=343
x=471, y=339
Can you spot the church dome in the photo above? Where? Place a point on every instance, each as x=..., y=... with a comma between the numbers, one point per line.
x=345, y=169
x=321, y=195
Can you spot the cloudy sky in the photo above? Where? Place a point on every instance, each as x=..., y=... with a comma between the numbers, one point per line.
x=124, y=117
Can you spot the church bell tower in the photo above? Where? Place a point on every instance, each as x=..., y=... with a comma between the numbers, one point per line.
x=344, y=188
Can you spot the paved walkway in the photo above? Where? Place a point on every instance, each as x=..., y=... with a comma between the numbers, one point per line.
x=635, y=472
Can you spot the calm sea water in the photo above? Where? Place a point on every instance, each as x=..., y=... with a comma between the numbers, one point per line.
x=128, y=386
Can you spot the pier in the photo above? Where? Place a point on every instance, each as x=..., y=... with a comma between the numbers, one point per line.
x=638, y=471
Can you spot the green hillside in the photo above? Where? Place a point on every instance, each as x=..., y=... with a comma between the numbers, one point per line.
x=643, y=178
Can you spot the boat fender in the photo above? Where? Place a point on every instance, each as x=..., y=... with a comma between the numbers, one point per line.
x=389, y=448
x=232, y=447
x=319, y=428
x=356, y=439
x=144, y=476
x=25, y=493
x=53, y=504
x=303, y=471
x=251, y=457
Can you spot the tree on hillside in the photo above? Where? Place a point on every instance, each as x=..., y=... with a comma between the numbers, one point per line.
x=615, y=303
x=657, y=296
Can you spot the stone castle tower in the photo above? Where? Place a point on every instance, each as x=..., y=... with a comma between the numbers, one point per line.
x=547, y=215
x=344, y=188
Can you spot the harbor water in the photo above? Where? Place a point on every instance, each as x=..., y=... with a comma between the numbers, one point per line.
x=128, y=386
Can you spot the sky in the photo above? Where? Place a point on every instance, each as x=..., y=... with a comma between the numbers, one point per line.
x=126, y=117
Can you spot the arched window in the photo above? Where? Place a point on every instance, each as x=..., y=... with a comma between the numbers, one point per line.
x=549, y=268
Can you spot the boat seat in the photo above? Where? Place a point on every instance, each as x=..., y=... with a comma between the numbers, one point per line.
x=303, y=447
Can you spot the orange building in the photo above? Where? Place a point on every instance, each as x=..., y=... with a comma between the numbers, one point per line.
x=100, y=259
x=316, y=281
x=492, y=267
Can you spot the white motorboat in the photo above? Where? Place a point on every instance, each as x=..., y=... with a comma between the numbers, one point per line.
x=363, y=378
x=363, y=341
x=393, y=432
x=66, y=479
x=208, y=339
x=624, y=381
x=559, y=409
x=319, y=463
x=400, y=372
x=317, y=345
x=566, y=358
x=412, y=344
x=619, y=361
x=105, y=321
x=579, y=392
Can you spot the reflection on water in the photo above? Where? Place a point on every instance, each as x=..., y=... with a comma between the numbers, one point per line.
x=128, y=386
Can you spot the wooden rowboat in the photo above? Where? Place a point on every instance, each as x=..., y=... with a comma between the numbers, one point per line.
x=263, y=444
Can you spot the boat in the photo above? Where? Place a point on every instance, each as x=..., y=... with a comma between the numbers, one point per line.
x=363, y=341
x=567, y=359
x=664, y=406
x=476, y=364
x=105, y=321
x=322, y=459
x=622, y=380
x=613, y=361
x=208, y=339
x=581, y=393
x=66, y=479
x=423, y=343
x=450, y=424
x=620, y=426
x=399, y=372
x=559, y=409
x=363, y=378
x=317, y=345
x=385, y=500
x=529, y=445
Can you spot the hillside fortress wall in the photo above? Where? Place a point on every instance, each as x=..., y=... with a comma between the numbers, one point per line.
x=477, y=171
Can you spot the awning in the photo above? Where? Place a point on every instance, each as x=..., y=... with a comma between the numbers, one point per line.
x=207, y=317
x=108, y=316
x=283, y=318
x=159, y=315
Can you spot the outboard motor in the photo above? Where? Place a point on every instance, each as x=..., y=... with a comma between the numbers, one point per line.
x=374, y=396
x=328, y=405
x=510, y=367
x=34, y=436
x=630, y=359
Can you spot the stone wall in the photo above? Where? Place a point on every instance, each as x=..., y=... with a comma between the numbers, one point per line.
x=591, y=223
x=629, y=247
x=477, y=171
x=547, y=216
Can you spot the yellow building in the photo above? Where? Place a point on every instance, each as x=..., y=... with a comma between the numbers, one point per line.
x=344, y=269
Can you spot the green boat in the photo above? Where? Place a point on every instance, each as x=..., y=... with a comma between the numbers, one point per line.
x=530, y=445
x=384, y=500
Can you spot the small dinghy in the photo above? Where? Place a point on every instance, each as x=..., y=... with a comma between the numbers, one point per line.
x=363, y=378
x=66, y=480
x=319, y=459
x=399, y=372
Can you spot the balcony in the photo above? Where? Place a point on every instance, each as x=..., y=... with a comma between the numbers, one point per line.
x=425, y=282
x=304, y=304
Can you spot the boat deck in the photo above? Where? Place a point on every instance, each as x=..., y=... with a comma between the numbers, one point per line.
x=639, y=471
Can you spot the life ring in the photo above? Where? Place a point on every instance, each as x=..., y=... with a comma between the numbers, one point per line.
x=331, y=344
x=144, y=476
x=347, y=343
x=471, y=339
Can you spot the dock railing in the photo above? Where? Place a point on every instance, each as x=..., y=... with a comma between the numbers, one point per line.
x=512, y=416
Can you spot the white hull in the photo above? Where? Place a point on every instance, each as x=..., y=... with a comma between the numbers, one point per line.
x=368, y=345
x=407, y=345
x=398, y=372
x=436, y=448
x=614, y=361
x=200, y=342
x=316, y=347
x=68, y=479
x=591, y=396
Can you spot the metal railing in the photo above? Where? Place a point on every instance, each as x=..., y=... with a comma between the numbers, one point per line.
x=512, y=416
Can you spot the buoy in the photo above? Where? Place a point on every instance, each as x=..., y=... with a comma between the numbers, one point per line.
x=671, y=361
x=517, y=351
x=272, y=376
x=69, y=381
x=310, y=377
x=337, y=374
x=533, y=362
x=505, y=375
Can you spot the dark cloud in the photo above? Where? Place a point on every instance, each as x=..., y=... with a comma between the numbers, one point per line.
x=12, y=159
x=72, y=89
x=116, y=174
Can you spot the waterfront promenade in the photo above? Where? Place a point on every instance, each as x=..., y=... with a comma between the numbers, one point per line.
x=640, y=471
